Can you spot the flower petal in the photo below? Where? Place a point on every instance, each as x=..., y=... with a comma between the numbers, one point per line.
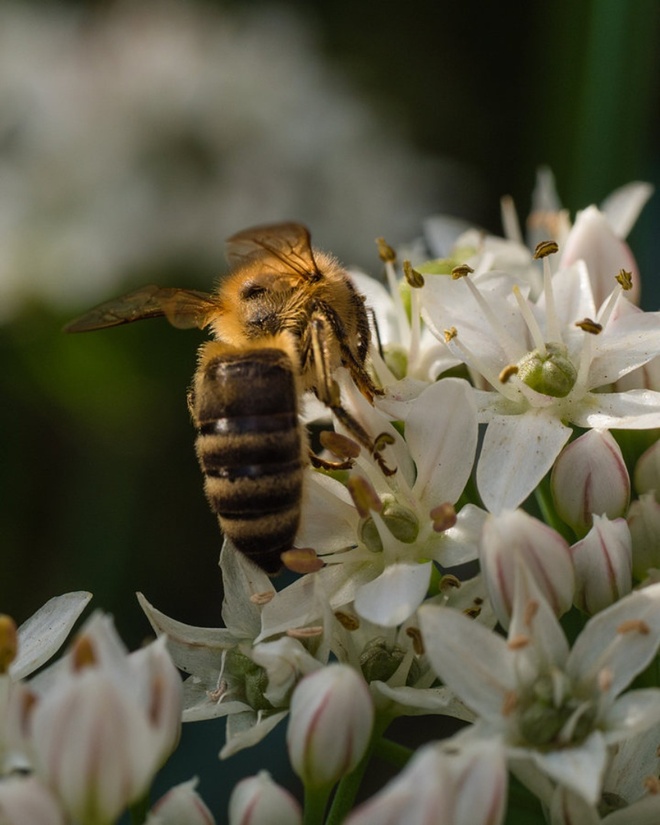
x=471, y=660
x=45, y=631
x=619, y=641
x=395, y=595
x=632, y=410
x=441, y=432
x=580, y=768
x=247, y=729
x=518, y=450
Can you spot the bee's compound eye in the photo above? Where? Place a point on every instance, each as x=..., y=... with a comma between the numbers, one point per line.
x=251, y=291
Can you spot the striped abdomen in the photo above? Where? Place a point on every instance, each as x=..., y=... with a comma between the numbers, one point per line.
x=250, y=445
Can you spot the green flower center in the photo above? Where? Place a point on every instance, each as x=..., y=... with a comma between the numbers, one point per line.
x=551, y=373
x=380, y=660
x=253, y=677
x=551, y=716
x=401, y=522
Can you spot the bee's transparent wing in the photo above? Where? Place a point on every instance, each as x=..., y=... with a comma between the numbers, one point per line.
x=183, y=308
x=288, y=247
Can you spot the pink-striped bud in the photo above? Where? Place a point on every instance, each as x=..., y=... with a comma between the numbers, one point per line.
x=514, y=537
x=257, y=800
x=590, y=478
x=181, y=804
x=644, y=524
x=647, y=471
x=330, y=724
x=603, y=565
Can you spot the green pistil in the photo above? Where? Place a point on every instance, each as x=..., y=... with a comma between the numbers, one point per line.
x=551, y=373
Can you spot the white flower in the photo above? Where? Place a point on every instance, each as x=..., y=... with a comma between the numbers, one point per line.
x=384, y=545
x=555, y=710
x=544, y=362
x=250, y=685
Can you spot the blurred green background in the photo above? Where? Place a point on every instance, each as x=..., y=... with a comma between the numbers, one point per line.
x=135, y=137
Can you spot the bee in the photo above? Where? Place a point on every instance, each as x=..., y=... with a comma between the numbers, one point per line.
x=284, y=319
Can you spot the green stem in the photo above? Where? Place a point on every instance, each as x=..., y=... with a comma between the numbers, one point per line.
x=347, y=791
x=543, y=496
x=316, y=801
x=139, y=809
x=392, y=752
x=349, y=785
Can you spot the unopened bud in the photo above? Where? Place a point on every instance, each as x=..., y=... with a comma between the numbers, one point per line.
x=644, y=524
x=330, y=724
x=257, y=800
x=590, y=478
x=647, y=471
x=603, y=562
x=513, y=537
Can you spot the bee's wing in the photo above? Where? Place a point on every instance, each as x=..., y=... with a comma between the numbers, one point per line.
x=287, y=245
x=183, y=308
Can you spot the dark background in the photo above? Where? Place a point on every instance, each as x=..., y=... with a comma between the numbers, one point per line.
x=99, y=485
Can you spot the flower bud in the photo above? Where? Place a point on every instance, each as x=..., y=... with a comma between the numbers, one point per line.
x=593, y=240
x=603, y=565
x=514, y=537
x=158, y=681
x=330, y=724
x=590, y=477
x=257, y=800
x=102, y=729
x=644, y=524
x=647, y=471
x=24, y=800
x=181, y=804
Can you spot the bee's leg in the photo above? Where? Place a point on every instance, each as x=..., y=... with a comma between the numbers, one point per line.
x=323, y=464
x=359, y=374
x=327, y=391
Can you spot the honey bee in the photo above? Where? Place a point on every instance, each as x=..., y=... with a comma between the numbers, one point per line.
x=284, y=319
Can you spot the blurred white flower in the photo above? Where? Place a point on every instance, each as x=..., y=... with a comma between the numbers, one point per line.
x=140, y=135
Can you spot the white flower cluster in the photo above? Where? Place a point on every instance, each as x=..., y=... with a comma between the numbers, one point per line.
x=507, y=574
